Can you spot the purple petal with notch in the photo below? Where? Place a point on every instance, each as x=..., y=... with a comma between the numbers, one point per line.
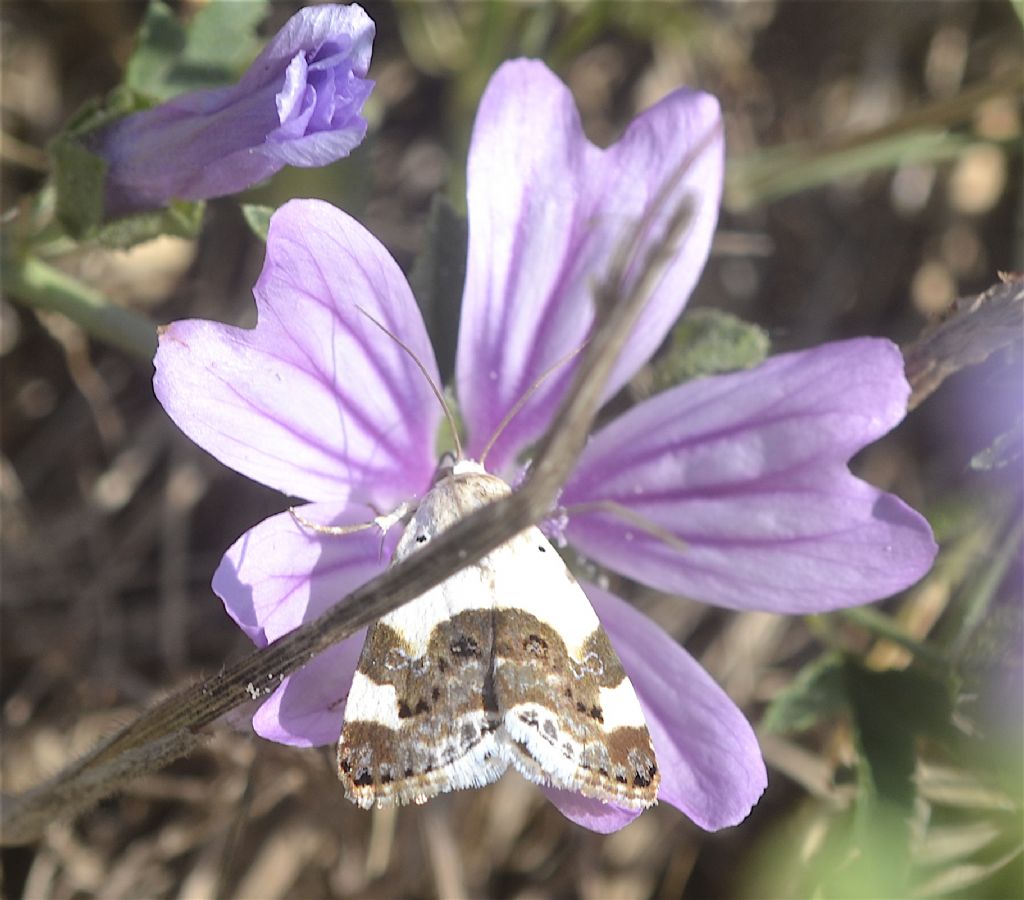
x=748, y=471
x=298, y=104
x=280, y=574
x=316, y=401
x=710, y=763
x=547, y=212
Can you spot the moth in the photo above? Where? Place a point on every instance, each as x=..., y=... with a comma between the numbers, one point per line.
x=503, y=664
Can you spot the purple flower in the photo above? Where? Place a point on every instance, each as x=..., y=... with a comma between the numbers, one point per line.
x=748, y=469
x=298, y=104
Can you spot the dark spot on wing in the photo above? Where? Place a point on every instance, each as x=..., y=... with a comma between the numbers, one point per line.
x=535, y=645
x=464, y=646
x=643, y=781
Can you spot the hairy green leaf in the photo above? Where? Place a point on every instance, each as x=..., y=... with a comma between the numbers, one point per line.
x=170, y=59
x=818, y=692
x=160, y=42
x=705, y=342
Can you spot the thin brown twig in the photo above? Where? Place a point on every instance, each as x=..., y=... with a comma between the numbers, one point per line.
x=975, y=328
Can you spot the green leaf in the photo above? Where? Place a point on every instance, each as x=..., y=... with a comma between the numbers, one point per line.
x=220, y=42
x=79, y=176
x=704, y=342
x=181, y=219
x=209, y=59
x=437, y=279
x=889, y=711
x=95, y=113
x=257, y=217
x=160, y=42
x=818, y=692
x=78, y=173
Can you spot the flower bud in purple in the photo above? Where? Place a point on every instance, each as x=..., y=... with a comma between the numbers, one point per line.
x=298, y=104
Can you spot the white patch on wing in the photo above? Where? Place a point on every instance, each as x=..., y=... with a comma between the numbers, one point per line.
x=372, y=702
x=534, y=579
x=621, y=708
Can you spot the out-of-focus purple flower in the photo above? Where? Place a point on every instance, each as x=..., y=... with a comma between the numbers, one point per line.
x=748, y=469
x=298, y=104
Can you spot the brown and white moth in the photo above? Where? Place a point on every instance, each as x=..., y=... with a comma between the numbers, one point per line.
x=505, y=663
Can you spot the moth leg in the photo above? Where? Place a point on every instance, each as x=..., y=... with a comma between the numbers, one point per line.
x=383, y=521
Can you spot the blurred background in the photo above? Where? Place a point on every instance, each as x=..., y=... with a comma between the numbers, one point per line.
x=874, y=176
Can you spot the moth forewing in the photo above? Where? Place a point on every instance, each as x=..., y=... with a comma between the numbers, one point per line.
x=564, y=697
x=505, y=663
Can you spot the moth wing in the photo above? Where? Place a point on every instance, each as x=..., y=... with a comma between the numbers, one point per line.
x=569, y=715
x=420, y=717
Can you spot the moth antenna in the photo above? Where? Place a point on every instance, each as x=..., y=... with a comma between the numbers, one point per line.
x=527, y=394
x=423, y=370
x=632, y=518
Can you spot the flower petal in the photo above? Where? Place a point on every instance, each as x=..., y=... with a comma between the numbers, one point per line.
x=317, y=148
x=308, y=709
x=547, y=212
x=293, y=92
x=710, y=763
x=316, y=401
x=279, y=575
x=749, y=471
x=591, y=814
x=346, y=30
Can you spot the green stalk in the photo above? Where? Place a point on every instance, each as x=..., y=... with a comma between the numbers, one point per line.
x=37, y=284
x=881, y=625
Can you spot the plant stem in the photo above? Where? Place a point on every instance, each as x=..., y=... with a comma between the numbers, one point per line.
x=37, y=284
